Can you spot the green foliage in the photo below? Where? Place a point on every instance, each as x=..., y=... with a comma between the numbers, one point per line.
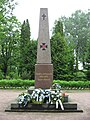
x=9, y=34
x=26, y=75
x=77, y=27
x=13, y=75
x=16, y=83
x=73, y=84
x=27, y=53
x=33, y=56
x=24, y=47
x=58, y=27
x=1, y=75
x=88, y=75
x=80, y=75
x=28, y=83
x=88, y=61
x=60, y=52
x=18, y=51
x=67, y=77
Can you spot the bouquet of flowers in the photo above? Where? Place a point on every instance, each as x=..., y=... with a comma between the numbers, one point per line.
x=56, y=95
x=23, y=99
x=40, y=96
x=37, y=96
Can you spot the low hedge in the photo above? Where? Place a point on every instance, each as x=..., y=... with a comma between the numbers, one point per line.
x=28, y=83
x=73, y=84
x=16, y=83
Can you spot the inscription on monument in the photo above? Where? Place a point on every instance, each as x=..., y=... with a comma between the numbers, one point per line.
x=43, y=76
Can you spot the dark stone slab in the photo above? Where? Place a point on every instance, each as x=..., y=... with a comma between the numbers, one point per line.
x=67, y=106
x=70, y=106
x=49, y=111
x=15, y=106
x=66, y=98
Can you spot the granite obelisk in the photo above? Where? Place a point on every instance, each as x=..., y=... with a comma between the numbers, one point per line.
x=43, y=68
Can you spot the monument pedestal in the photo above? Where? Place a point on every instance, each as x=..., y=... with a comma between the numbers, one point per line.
x=43, y=76
x=68, y=107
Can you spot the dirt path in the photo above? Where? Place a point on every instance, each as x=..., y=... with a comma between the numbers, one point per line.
x=82, y=99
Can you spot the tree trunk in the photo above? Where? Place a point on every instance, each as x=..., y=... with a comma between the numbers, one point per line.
x=5, y=70
x=76, y=68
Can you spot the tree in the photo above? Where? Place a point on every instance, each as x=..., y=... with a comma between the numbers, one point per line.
x=9, y=33
x=59, y=51
x=88, y=61
x=27, y=52
x=33, y=56
x=24, y=48
x=78, y=27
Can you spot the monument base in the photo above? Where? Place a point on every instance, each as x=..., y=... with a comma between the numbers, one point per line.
x=33, y=107
x=43, y=76
x=68, y=107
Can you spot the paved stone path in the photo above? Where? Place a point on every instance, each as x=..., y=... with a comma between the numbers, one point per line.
x=82, y=98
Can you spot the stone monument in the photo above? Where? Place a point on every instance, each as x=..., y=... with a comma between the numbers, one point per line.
x=43, y=68
x=31, y=101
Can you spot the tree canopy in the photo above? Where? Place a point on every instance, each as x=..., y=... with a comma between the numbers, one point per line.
x=70, y=44
x=77, y=27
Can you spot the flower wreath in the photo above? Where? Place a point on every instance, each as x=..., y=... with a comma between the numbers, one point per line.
x=40, y=96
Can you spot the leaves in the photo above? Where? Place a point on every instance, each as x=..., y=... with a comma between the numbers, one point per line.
x=27, y=52
x=77, y=26
x=59, y=51
x=9, y=34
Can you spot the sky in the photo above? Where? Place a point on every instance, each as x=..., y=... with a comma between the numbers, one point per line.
x=30, y=9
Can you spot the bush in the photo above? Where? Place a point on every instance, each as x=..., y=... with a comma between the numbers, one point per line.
x=28, y=83
x=13, y=75
x=73, y=84
x=16, y=83
x=67, y=77
x=26, y=75
x=1, y=75
x=88, y=74
x=80, y=76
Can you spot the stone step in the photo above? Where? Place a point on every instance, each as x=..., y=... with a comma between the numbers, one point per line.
x=67, y=106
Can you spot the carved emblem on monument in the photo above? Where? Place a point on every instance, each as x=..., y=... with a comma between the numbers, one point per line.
x=43, y=16
x=43, y=46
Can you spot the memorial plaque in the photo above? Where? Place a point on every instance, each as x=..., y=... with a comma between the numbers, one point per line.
x=43, y=75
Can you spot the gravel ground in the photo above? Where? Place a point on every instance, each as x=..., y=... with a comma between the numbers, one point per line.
x=81, y=97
